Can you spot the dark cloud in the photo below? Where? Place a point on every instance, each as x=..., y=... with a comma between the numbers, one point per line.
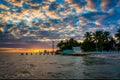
x=79, y=2
x=5, y=3
x=94, y=15
x=53, y=6
x=37, y=1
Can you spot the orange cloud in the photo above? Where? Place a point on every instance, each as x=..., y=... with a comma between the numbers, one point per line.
x=90, y=6
x=4, y=7
x=16, y=2
x=77, y=7
x=52, y=0
x=104, y=4
x=52, y=14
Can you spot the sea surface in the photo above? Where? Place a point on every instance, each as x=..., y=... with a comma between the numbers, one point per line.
x=16, y=66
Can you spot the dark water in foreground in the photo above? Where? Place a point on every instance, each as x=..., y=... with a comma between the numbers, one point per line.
x=16, y=66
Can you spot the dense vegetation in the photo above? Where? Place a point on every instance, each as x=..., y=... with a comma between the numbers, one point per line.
x=68, y=44
x=94, y=41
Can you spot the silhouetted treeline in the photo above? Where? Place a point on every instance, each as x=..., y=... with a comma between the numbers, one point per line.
x=68, y=44
x=94, y=41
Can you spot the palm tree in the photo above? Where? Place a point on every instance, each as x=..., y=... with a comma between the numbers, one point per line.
x=88, y=44
x=101, y=38
x=117, y=35
x=97, y=36
x=68, y=44
x=88, y=36
x=106, y=36
x=61, y=45
x=98, y=39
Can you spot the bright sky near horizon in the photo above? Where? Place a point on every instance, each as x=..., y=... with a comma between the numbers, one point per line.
x=35, y=23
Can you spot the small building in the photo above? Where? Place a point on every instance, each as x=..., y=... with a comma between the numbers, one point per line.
x=68, y=51
x=73, y=50
x=77, y=49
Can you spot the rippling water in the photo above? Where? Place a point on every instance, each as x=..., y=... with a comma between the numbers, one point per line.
x=16, y=66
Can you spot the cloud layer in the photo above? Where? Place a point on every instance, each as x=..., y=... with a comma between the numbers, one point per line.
x=45, y=20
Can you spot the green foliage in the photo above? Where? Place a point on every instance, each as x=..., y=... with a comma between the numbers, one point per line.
x=94, y=41
x=99, y=40
x=117, y=35
x=68, y=44
x=88, y=46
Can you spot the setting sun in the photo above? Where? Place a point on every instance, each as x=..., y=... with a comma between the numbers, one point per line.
x=36, y=50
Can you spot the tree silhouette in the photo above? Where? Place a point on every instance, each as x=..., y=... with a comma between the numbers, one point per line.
x=68, y=44
x=99, y=40
x=94, y=41
x=88, y=43
x=117, y=35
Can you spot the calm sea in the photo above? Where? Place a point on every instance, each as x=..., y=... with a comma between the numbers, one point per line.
x=16, y=66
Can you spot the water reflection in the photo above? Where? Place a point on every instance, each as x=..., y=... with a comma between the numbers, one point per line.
x=94, y=61
x=101, y=68
x=15, y=66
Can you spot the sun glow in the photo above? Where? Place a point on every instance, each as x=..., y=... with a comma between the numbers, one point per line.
x=36, y=50
x=20, y=50
x=1, y=29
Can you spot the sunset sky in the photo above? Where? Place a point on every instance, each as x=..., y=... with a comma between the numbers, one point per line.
x=33, y=24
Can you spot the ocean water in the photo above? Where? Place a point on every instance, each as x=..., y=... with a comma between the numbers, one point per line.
x=16, y=66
